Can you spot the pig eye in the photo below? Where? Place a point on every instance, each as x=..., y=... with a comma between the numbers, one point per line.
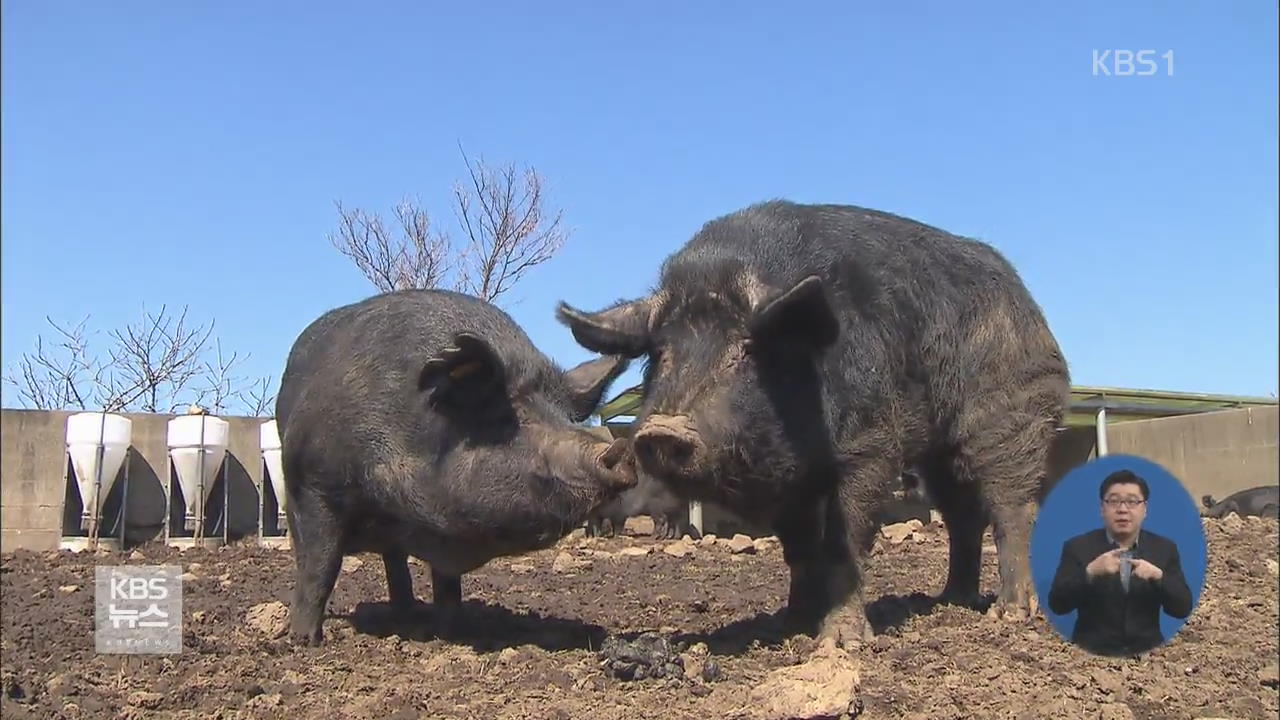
x=748, y=346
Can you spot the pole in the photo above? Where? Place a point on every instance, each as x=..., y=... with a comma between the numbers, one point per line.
x=101, y=451
x=1101, y=427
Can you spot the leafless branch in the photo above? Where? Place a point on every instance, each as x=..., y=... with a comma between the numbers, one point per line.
x=151, y=365
x=418, y=259
x=501, y=211
x=508, y=228
x=49, y=381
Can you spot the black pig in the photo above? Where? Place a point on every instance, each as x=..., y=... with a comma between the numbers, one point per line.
x=1261, y=501
x=800, y=357
x=649, y=497
x=425, y=423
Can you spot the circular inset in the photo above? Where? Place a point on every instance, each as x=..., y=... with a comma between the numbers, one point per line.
x=1118, y=555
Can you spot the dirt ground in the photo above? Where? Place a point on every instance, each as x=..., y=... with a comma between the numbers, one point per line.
x=535, y=624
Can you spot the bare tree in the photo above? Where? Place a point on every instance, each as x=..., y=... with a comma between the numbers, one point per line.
x=416, y=259
x=502, y=215
x=152, y=365
x=509, y=230
x=154, y=354
x=50, y=382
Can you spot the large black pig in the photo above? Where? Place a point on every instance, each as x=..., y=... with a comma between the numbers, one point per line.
x=800, y=357
x=425, y=423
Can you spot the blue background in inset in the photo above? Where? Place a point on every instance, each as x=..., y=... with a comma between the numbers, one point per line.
x=1073, y=507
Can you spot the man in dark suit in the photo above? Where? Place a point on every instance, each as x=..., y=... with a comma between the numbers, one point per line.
x=1120, y=576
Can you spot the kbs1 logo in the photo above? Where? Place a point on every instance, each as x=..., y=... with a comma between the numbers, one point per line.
x=138, y=609
x=1124, y=63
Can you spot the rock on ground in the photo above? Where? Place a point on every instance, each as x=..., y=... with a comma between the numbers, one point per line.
x=270, y=619
x=740, y=544
x=679, y=548
x=825, y=686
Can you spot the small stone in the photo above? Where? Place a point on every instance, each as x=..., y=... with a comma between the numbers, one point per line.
x=1232, y=523
x=765, y=544
x=897, y=532
x=521, y=568
x=678, y=549
x=1270, y=675
x=351, y=564
x=187, y=577
x=508, y=655
x=566, y=563
x=270, y=619
x=59, y=685
x=635, y=551
x=265, y=701
x=708, y=540
x=137, y=555
x=1273, y=566
x=145, y=699
x=825, y=686
x=1115, y=711
x=742, y=544
x=199, y=615
x=68, y=589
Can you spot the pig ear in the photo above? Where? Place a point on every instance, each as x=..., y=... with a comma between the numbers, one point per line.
x=620, y=330
x=803, y=309
x=466, y=374
x=588, y=381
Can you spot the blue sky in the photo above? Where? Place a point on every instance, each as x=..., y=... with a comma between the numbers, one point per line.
x=191, y=153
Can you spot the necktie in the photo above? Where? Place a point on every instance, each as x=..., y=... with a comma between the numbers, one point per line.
x=1126, y=567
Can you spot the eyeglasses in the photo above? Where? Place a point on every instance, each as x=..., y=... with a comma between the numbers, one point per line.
x=1127, y=502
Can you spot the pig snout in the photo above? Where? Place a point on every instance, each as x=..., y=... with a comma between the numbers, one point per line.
x=617, y=466
x=668, y=445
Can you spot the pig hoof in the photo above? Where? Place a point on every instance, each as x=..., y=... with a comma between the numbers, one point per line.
x=1008, y=611
x=307, y=637
x=846, y=634
x=960, y=599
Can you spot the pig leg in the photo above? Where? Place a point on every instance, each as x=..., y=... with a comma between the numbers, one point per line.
x=962, y=511
x=800, y=532
x=1008, y=461
x=446, y=595
x=848, y=535
x=317, y=547
x=399, y=581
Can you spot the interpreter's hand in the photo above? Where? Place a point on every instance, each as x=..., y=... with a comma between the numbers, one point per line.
x=1146, y=570
x=1108, y=563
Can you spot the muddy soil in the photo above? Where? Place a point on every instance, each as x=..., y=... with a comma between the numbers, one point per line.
x=534, y=625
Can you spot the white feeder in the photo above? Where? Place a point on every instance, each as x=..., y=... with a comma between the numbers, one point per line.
x=269, y=441
x=197, y=448
x=98, y=444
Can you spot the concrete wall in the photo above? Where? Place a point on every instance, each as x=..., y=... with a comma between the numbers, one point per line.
x=1212, y=453
x=1215, y=453
x=39, y=505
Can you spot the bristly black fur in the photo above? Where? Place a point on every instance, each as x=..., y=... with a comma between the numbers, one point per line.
x=426, y=423
x=916, y=348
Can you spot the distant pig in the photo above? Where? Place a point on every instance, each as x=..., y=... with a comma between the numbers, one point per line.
x=425, y=423
x=648, y=497
x=1261, y=501
x=800, y=357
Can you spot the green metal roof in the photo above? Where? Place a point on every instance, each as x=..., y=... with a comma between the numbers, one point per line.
x=1121, y=404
